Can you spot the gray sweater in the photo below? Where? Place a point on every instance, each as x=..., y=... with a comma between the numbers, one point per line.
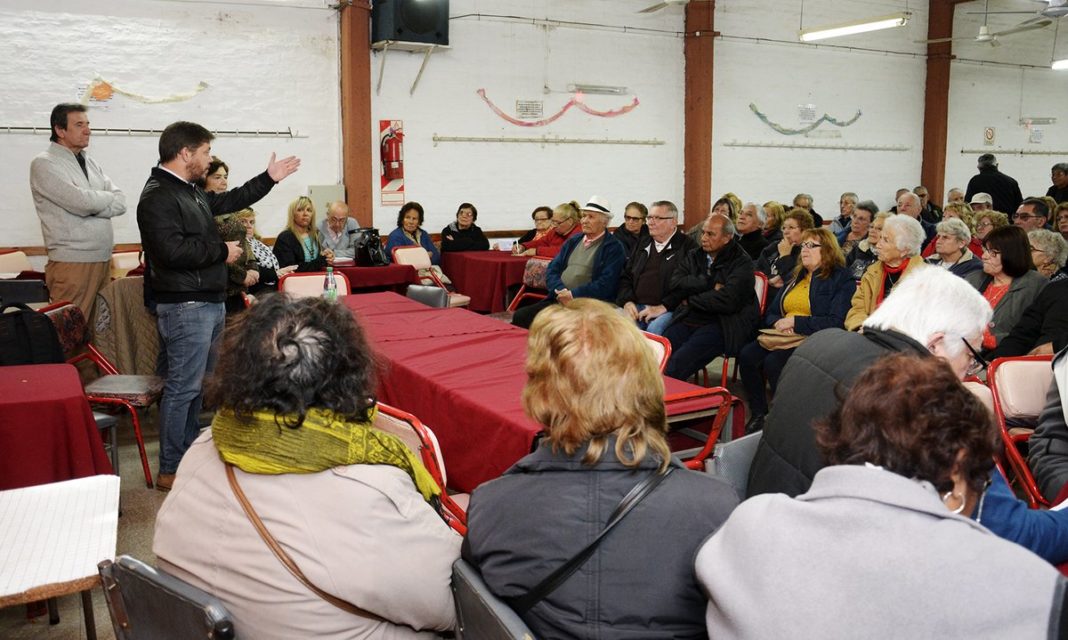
x=74, y=210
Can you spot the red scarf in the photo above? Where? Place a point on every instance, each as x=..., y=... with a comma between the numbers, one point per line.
x=887, y=272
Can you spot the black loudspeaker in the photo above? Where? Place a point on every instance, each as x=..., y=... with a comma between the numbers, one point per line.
x=420, y=21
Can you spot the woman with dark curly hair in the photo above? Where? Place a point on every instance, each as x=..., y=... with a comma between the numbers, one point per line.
x=882, y=542
x=351, y=506
x=409, y=232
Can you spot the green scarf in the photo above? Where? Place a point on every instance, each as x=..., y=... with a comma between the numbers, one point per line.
x=263, y=444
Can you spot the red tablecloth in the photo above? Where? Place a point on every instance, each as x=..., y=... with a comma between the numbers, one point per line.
x=465, y=382
x=484, y=275
x=47, y=431
x=397, y=276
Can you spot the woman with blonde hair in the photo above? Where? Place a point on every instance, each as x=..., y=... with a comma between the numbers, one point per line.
x=816, y=297
x=564, y=224
x=299, y=243
x=987, y=221
x=594, y=385
x=775, y=213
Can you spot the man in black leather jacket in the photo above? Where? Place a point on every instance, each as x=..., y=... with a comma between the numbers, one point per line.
x=186, y=272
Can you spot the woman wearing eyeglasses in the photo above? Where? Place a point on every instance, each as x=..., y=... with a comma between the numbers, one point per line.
x=541, y=217
x=563, y=224
x=1008, y=280
x=898, y=252
x=464, y=234
x=1049, y=251
x=633, y=229
x=987, y=221
x=817, y=297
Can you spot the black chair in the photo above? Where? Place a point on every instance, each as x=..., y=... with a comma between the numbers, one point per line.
x=148, y=604
x=430, y=296
x=110, y=424
x=480, y=615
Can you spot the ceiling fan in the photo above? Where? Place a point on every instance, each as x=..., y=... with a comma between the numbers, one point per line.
x=664, y=4
x=986, y=36
x=1054, y=9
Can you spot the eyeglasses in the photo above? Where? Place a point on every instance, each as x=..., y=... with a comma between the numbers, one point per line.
x=1024, y=216
x=810, y=245
x=554, y=222
x=542, y=220
x=984, y=223
x=661, y=218
x=978, y=362
x=465, y=213
x=1037, y=250
x=632, y=218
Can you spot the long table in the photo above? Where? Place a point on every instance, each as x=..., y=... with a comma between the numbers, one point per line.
x=393, y=276
x=485, y=276
x=463, y=375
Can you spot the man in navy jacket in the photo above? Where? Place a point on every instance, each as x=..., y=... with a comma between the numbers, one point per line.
x=588, y=265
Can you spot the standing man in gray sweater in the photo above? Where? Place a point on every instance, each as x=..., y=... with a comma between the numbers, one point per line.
x=75, y=201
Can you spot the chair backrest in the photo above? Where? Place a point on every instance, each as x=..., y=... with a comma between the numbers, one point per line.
x=146, y=603
x=14, y=262
x=982, y=392
x=414, y=255
x=534, y=272
x=732, y=460
x=124, y=262
x=480, y=615
x=71, y=327
x=1019, y=387
x=430, y=296
x=310, y=284
x=660, y=347
x=761, y=285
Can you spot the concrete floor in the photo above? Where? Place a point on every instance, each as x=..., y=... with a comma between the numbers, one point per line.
x=139, y=506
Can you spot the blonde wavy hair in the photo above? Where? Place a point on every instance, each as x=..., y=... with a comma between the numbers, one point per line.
x=591, y=375
x=300, y=204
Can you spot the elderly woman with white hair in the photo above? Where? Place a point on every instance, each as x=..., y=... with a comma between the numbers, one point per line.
x=951, y=248
x=825, y=367
x=1049, y=251
x=898, y=253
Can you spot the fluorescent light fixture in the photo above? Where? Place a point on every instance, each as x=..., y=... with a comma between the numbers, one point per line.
x=857, y=26
x=596, y=89
x=1060, y=65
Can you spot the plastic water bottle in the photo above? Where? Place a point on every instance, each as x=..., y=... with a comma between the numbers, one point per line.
x=330, y=285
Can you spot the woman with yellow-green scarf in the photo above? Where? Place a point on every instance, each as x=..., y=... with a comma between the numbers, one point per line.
x=351, y=506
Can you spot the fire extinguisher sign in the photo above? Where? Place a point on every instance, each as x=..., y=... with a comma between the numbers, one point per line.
x=391, y=154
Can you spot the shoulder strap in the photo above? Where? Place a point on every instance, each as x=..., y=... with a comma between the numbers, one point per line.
x=522, y=604
x=284, y=558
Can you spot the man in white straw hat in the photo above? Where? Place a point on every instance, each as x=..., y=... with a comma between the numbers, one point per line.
x=588, y=265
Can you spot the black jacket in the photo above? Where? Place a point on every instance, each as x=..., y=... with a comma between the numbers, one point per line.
x=630, y=241
x=1060, y=195
x=1045, y=320
x=638, y=584
x=734, y=305
x=470, y=239
x=185, y=258
x=1004, y=190
x=753, y=243
x=822, y=370
x=677, y=246
x=289, y=251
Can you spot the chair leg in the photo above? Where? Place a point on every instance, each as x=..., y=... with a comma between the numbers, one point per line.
x=140, y=445
x=90, y=619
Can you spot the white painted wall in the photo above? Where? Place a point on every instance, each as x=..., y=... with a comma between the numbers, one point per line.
x=513, y=59
x=267, y=67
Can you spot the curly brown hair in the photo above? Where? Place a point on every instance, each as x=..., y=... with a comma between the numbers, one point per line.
x=287, y=355
x=911, y=415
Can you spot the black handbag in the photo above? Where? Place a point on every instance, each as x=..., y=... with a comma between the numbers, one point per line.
x=27, y=337
x=368, y=248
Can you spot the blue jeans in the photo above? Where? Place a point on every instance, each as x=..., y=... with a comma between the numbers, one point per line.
x=189, y=331
x=692, y=348
x=657, y=325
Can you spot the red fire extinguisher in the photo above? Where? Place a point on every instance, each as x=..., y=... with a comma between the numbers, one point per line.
x=392, y=164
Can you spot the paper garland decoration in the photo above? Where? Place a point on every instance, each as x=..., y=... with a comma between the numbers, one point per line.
x=577, y=100
x=101, y=90
x=793, y=132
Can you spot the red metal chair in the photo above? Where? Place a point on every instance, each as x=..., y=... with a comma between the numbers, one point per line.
x=310, y=284
x=660, y=347
x=727, y=402
x=111, y=388
x=534, y=287
x=422, y=441
x=1019, y=386
x=419, y=258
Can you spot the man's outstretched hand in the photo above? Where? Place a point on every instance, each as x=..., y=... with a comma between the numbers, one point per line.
x=279, y=169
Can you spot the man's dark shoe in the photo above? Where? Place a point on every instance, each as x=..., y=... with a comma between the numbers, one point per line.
x=756, y=423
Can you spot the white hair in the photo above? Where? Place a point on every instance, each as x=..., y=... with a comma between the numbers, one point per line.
x=908, y=233
x=956, y=227
x=759, y=210
x=931, y=300
x=1051, y=243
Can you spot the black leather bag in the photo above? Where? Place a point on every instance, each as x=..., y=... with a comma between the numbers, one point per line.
x=368, y=245
x=27, y=337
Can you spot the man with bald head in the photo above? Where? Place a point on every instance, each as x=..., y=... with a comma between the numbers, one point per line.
x=719, y=311
x=336, y=232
